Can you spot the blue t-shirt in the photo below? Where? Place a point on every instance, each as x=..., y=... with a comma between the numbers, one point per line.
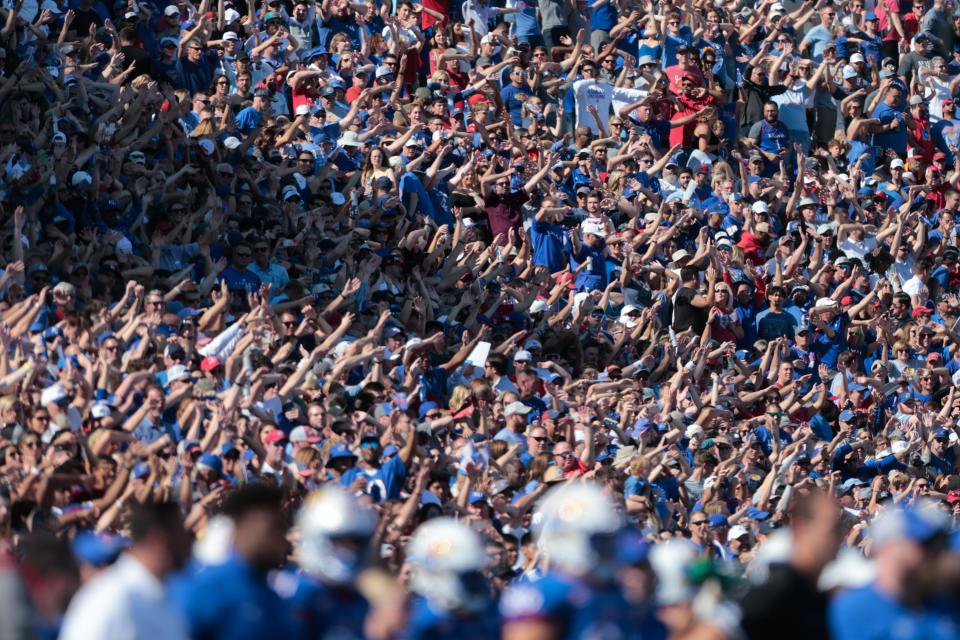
x=513, y=99
x=673, y=42
x=237, y=280
x=231, y=600
x=324, y=611
x=575, y=609
x=594, y=275
x=829, y=349
x=410, y=183
x=604, y=17
x=196, y=76
x=428, y=622
x=866, y=614
x=775, y=325
x=525, y=21
x=384, y=483
x=548, y=241
x=896, y=139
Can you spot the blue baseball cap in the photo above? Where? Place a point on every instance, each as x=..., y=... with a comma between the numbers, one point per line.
x=103, y=337
x=755, y=514
x=427, y=407
x=211, y=462
x=340, y=452
x=717, y=520
x=97, y=549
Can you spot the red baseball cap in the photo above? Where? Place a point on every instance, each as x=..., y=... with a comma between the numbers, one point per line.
x=274, y=437
x=210, y=363
x=920, y=311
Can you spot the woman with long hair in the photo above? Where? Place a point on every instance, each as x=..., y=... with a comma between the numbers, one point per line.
x=375, y=167
x=723, y=323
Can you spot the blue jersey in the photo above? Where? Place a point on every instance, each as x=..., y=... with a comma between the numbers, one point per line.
x=574, y=608
x=430, y=623
x=320, y=611
x=867, y=614
x=231, y=600
x=384, y=483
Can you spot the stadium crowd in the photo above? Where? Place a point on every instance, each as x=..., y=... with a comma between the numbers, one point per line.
x=498, y=318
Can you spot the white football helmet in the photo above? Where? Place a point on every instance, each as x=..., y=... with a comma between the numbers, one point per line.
x=334, y=531
x=447, y=558
x=577, y=523
x=670, y=561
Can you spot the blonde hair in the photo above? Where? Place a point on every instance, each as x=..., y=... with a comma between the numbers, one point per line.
x=305, y=456
x=461, y=394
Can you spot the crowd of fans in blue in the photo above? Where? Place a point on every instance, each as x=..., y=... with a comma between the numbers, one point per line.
x=531, y=319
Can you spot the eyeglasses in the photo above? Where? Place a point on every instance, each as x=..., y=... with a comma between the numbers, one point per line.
x=261, y=249
x=111, y=347
x=41, y=418
x=244, y=254
x=698, y=523
x=304, y=159
x=370, y=444
x=433, y=415
x=503, y=184
x=539, y=438
x=154, y=301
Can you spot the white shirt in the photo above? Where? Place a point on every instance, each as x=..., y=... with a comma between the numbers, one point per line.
x=123, y=602
x=602, y=95
x=854, y=249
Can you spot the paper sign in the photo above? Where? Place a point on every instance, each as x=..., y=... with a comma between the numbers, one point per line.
x=478, y=357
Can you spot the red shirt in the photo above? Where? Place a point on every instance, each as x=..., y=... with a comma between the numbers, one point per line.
x=676, y=73
x=921, y=131
x=300, y=97
x=440, y=6
x=683, y=135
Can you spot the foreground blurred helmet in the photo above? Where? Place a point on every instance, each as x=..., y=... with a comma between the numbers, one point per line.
x=578, y=523
x=334, y=531
x=447, y=559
